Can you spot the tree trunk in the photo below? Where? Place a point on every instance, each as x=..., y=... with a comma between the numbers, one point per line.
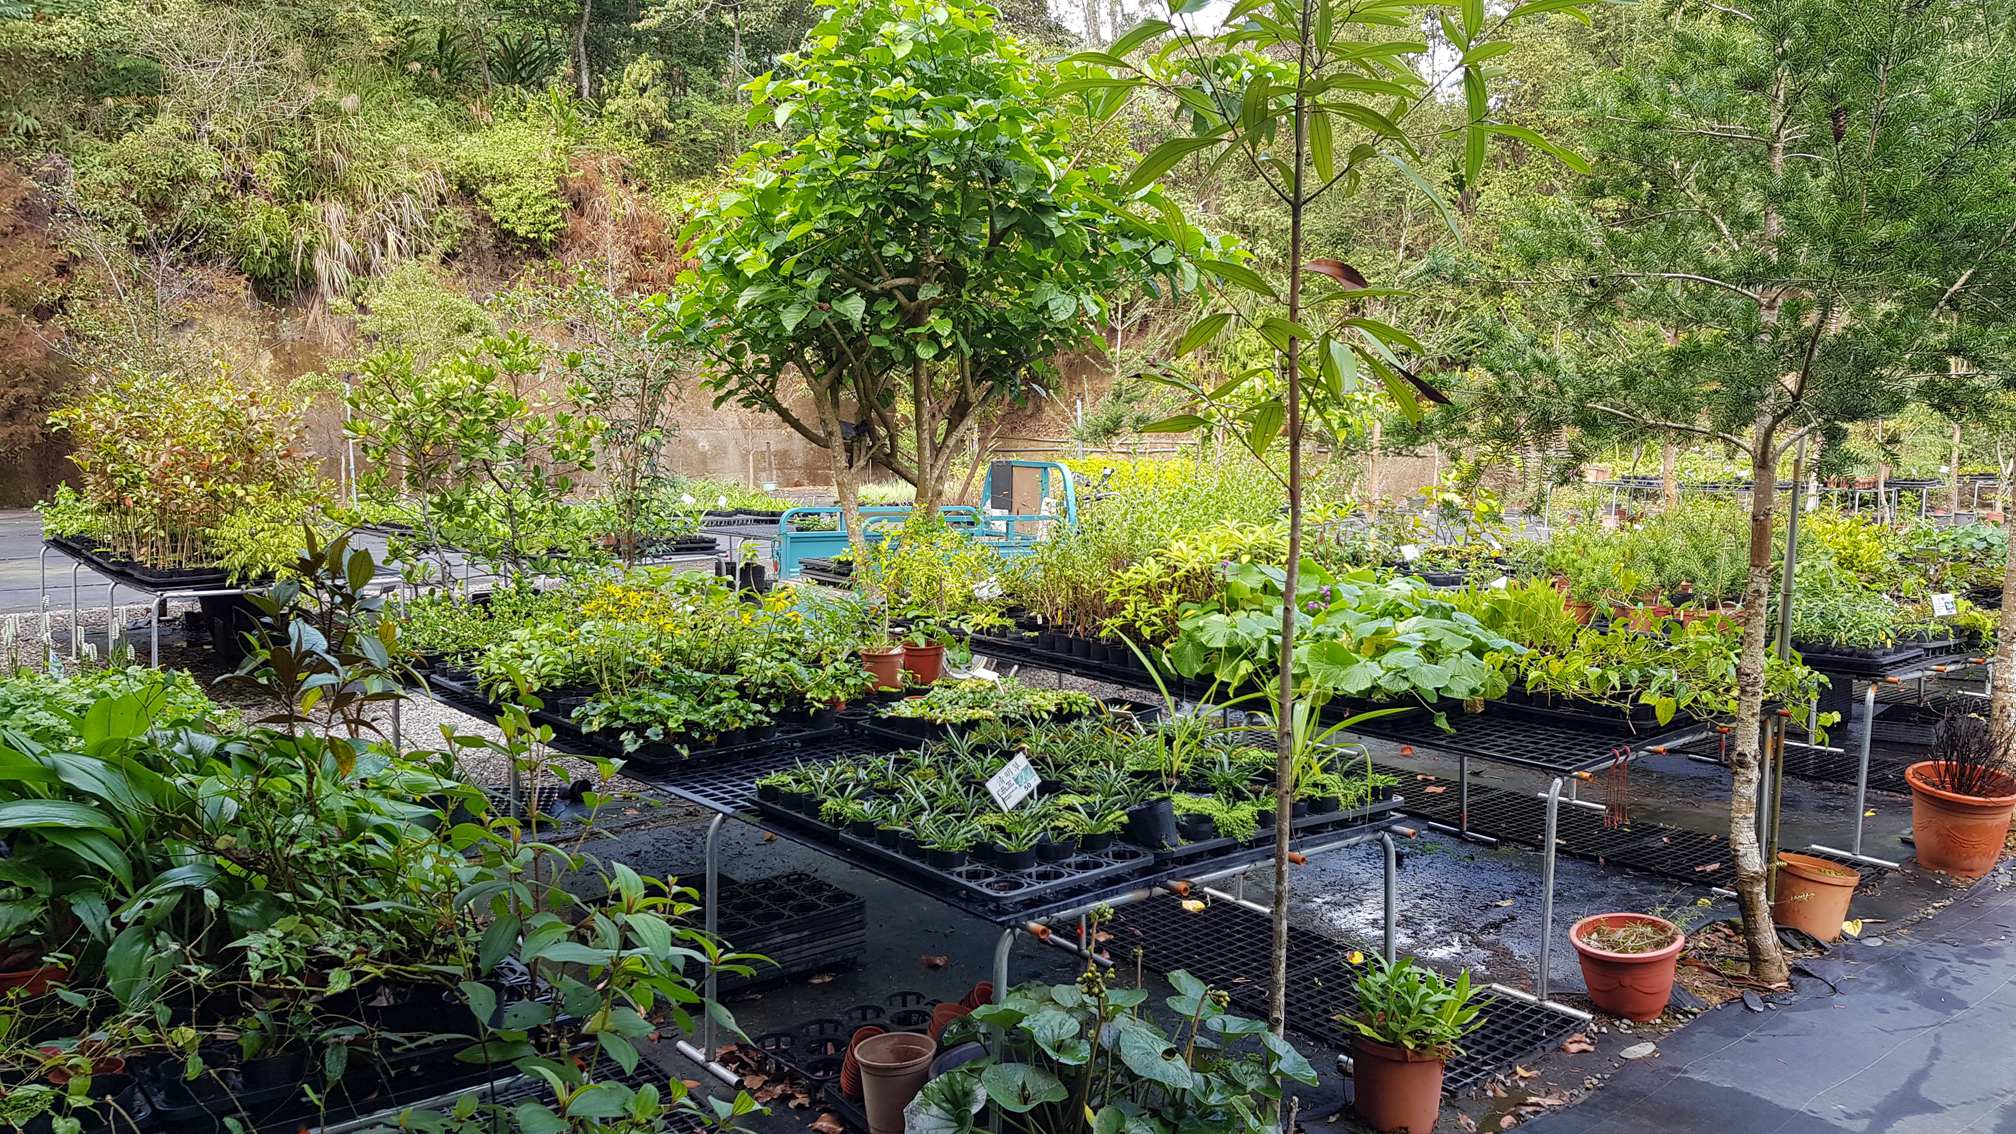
x=1669, y=480
x=1767, y=960
x=2002, y=695
x=1284, y=724
x=581, y=47
x=1953, y=475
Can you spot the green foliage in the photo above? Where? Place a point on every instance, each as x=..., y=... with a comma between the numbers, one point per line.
x=183, y=469
x=1411, y=1006
x=1088, y=1057
x=50, y=710
x=515, y=168
x=922, y=227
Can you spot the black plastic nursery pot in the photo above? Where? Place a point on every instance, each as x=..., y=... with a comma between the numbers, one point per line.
x=1153, y=824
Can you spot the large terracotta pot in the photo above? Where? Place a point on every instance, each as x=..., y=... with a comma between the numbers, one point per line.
x=886, y=665
x=894, y=1066
x=1394, y=1088
x=1635, y=986
x=925, y=663
x=1959, y=834
x=32, y=979
x=1813, y=894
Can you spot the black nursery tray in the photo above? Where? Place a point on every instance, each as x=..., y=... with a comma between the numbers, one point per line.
x=458, y=689
x=977, y=882
x=1859, y=663
x=142, y=576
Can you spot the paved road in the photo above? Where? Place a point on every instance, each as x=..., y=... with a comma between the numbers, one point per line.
x=1916, y=1041
x=20, y=544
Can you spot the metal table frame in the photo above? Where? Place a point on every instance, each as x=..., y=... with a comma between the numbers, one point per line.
x=1030, y=919
x=1919, y=675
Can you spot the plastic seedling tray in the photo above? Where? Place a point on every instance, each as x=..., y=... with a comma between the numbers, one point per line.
x=979, y=882
x=1848, y=660
x=142, y=576
x=462, y=692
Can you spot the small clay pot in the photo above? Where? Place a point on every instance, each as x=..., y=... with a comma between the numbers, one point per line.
x=1813, y=894
x=925, y=663
x=850, y=1064
x=1394, y=1088
x=893, y=1069
x=1634, y=986
x=1962, y=835
x=886, y=665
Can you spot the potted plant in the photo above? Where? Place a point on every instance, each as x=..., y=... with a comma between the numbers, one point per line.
x=1409, y=1022
x=1628, y=961
x=924, y=648
x=1962, y=796
x=882, y=656
x=1812, y=894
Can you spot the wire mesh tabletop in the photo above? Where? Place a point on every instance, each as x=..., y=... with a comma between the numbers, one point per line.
x=1560, y=746
x=1228, y=946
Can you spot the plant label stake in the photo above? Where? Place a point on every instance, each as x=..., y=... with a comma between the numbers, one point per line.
x=1943, y=606
x=1410, y=552
x=1013, y=783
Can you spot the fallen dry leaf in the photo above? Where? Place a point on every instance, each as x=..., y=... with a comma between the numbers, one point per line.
x=827, y=1123
x=1577, y=1044
x=935, y=960
x=1524, y=1072
x=1433, y=790
x=1504, y=903
x=1508, y=1122
x=819, y=978
x=769, y=836
x=1192, y=905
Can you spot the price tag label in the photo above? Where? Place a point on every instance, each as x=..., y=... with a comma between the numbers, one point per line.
x=720, y=501
x=1013, y=783
x=1410, y=552
x=1499, y=583
x=769, y=486
x=688, y=498
x=1944, y=606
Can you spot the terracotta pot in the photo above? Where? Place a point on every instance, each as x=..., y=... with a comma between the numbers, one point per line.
x=1635, y=986
x=1394, y=1088
x=981, y=993
x=34, y=981
x=886, y=665
x=943, y=1014
x=1813, y=894
x=1648, y=619
x=1959, y=834
x=850, y=1065
x=894, y=1066
x=1581, y=611
x=925, y=663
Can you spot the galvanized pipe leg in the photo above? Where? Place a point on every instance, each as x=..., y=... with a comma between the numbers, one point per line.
x=1392, y=894
x=111, y=633
x=710, y=901
x=1540, y=985
x=76, y=632
x=1463, y=794
x=1862, y=764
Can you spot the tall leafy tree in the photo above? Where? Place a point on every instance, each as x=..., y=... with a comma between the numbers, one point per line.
x=1798, y=204
x=919, y=246
x=1307, y=98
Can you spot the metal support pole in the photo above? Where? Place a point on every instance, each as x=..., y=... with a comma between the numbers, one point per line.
x=1463, y=792
x=110, y=631
x=398, y=739
x=1001, y=950
x=76, y=632
x=1862, y=764
x=710, y=902
x=1540, y=985
x=1392, y=894
x=154, y=631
